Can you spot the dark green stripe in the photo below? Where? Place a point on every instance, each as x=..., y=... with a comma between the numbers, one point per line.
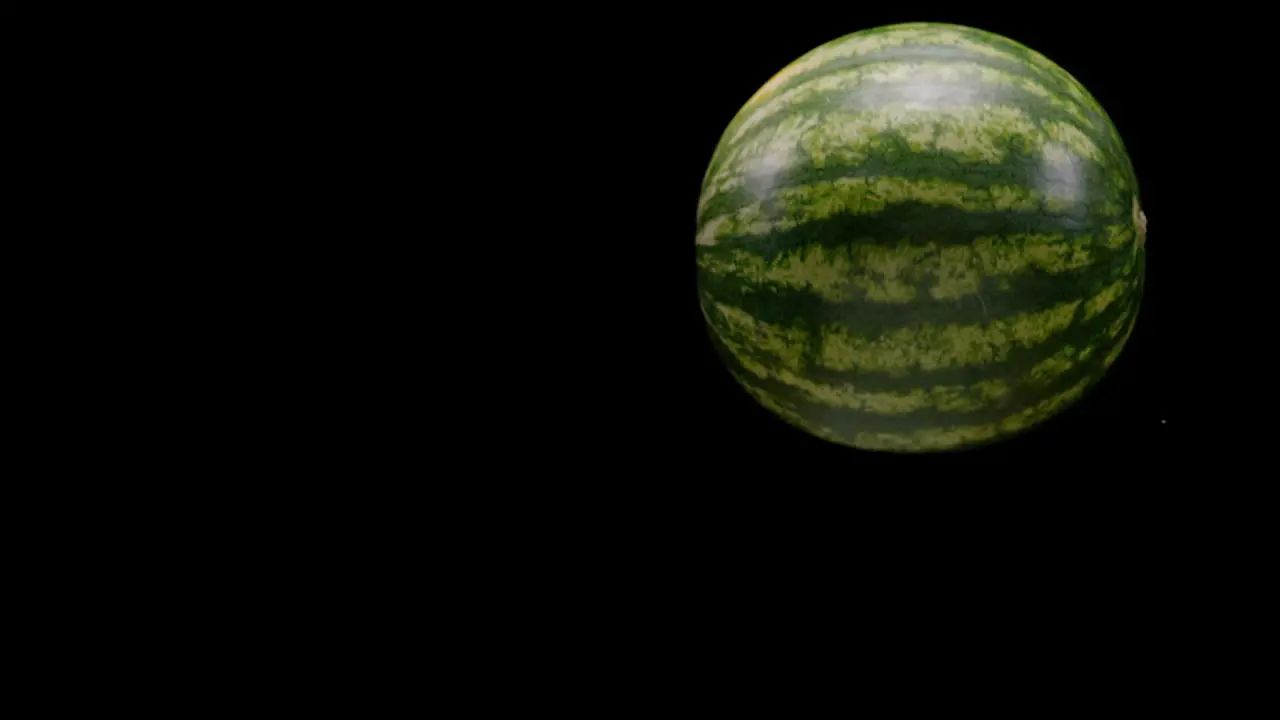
x=922, y=223
x=790, y=308
x=1053, y=78
x=1098, y=128
x=849, y=422
x=895, y=158
x=1030, y=291
x=873, y=95
x=922, y=51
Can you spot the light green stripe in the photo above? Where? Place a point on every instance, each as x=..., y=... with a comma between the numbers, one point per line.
x=980, y=134
x=774, y=150
x=945, y=398
x=1100, y=302
x=957, y=398
x=866, y=196
x=1119, y=235
x=931, y=347
x=781, y=408
x=1118, y=325
x=786, y=345
x=924, y=347
x=926, y=79
x=942, y=438
x=1119, y=346
x=1057, y=364
x=861, y=44
x=891, y=274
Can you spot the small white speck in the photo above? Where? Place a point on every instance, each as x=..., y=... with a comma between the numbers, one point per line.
x=1162, y=421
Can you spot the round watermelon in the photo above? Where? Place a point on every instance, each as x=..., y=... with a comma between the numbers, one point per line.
x=920, y=237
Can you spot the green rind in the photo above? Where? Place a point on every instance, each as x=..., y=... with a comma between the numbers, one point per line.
x=1016, y=412
x=877, y=96
x=816, y=332
x=931, y=38
x=1032, y=292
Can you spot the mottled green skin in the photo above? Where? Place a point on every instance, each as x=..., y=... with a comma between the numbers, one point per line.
x=869, y=128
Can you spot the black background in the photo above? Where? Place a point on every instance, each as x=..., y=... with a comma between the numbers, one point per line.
x=670, y=446
x=1179, y=400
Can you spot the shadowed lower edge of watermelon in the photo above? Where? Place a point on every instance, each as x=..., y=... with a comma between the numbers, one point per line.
x=1093, y=370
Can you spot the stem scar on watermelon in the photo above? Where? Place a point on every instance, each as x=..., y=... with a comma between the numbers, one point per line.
x=1140, y=221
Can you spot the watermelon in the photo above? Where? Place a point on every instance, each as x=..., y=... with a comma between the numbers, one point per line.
x=920, y=237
